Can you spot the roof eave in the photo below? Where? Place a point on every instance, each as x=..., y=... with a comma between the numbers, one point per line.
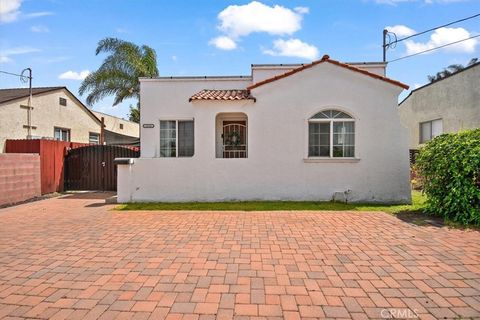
x=326, y=58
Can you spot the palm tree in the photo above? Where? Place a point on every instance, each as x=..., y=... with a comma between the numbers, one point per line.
x=134, y=114
x=118, y=75
x=451, y=69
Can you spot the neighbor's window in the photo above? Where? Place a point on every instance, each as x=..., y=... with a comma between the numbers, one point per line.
x=63, y=101
x=62, y=134
x=430, y=129
x=176, y=138
x=94, y=138
x=331, y=134
x=121, y=126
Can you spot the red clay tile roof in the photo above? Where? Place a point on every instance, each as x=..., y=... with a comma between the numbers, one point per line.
x=326, y=58
x=222, y=95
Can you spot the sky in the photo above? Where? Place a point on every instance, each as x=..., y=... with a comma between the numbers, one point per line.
x=58, y=38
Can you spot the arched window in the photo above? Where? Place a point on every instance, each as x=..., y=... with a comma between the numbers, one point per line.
x=331, y=134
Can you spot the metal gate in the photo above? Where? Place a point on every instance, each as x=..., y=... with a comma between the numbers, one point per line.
x=92, y=167
x=234, y=139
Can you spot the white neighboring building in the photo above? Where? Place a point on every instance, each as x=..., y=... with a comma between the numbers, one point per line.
x=287, y=132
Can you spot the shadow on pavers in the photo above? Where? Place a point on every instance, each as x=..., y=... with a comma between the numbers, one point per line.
x=87, y=195
x=420, y=219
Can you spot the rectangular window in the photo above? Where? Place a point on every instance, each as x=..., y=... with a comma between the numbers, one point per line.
x=430, y=129
x=94, y=138
x=343, y=139
x=121, y=126
x=319, y=140
x=62, y=134
x=331, y=139
x=176, y=138
x=63, y=102
x=185, y=138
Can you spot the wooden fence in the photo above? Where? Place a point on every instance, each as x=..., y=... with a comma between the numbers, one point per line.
x=51, y=153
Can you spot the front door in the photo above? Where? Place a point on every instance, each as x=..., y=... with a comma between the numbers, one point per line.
x=234, y=139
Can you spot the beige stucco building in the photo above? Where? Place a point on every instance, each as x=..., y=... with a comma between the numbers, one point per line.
x=448, y=105
x=56, y=114
x=118, y=130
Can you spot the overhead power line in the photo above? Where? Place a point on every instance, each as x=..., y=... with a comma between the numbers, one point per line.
x=432, y=49
x=14, y=74
x=433, y=29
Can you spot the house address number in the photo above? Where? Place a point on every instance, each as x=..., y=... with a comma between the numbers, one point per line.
x=148, y=125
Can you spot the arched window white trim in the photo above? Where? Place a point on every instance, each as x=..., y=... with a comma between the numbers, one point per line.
x=331, y=134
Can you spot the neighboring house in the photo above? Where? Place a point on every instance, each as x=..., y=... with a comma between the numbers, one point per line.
x=287, y=132
x=56, y=114
x=448, y=105
x=119, y=131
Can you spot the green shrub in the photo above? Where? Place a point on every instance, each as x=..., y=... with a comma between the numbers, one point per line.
x=450, y=169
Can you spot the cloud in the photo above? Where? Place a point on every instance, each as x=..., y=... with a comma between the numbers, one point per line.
x=237, y=21
x=73, y=75
x=38, y=14
x=6, y=54
x=174, y=58
x=293, y=48
x=122, y=30
x=302, y=10
x=39, y=29
x=223, y=43
x=401, y=30
x=9, y=10
x=242, y=20
x=444, y=36
x=396, y=2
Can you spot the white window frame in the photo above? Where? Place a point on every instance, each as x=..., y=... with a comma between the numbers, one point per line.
x=420, y=136
x=176, y=136
x=96, y=134
x=330, y=121
x=69, y=131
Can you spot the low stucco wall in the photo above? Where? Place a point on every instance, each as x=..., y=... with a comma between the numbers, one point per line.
x=149, y=180
x=19, y=177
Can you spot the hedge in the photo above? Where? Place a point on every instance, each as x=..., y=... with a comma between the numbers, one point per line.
x=449, y=166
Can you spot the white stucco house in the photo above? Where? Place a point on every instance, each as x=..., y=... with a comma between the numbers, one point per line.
x=317, y=131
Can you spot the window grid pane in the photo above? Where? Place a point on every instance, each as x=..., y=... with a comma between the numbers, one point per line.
x=185, y=138
x=425, y=132
x=331, y=114
x=168, y=139
x=343, y=139
x=437, y=128
x=319, y=140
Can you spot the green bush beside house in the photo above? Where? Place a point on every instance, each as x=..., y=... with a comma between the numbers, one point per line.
x=449, y=166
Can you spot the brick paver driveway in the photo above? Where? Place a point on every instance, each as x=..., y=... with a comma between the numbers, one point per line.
x=73, y=258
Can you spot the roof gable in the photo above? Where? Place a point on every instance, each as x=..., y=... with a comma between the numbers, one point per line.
x=8, y=95
x=326, y=59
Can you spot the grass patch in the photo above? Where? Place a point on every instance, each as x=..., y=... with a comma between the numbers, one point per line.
x=417, y=198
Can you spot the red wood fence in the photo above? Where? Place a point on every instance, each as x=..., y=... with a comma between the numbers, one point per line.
x=51, y=153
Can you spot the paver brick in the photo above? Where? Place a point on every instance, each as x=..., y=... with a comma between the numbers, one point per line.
x=72, y=257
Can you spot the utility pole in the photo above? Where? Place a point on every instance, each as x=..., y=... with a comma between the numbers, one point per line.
x=384, y=46
x=30, y=97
